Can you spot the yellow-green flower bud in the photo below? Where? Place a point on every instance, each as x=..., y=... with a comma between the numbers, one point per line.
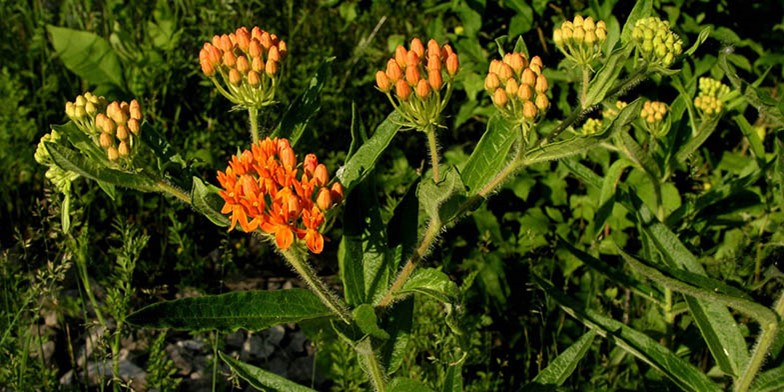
x=581, y=40
x=592, y=126
x=655, y=42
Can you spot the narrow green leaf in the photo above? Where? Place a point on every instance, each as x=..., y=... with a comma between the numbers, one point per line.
x=701, y=38
x=71, y=160
x=85, y=144
x=754, y=140
x=607, y=76
x=87, y=55
x=682, y=373
x=622, y=278
x=607, y=196
x=365, y=317
x=640, y=157
x=704, y=131
x=252, y=310
x=454, y=378
x=206, y=200
x=588, y=176
x=261, y=379
x=490, y=154
x=642, y=9
x=398, y=322
x=430, y=282
x=364, y=160
x=400, y=384
x=402, y=229
x=442, y=200
x=305, y=106
x=562, y=367
x=769, y=381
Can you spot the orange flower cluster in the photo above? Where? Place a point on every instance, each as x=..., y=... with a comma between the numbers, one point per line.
x=119, y=127
x=248, y=63
x=518, y=87
x=261, y=191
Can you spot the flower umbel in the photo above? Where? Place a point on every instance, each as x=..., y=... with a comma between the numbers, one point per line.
x=654, y=115
x=656, y=43
x=710, y=100
x=581, y=40
x=263, y=189
x=244, y=65
x=518, y=89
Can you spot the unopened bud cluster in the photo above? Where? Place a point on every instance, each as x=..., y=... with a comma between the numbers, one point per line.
x=710, y=101
x=591, y=126
x=244, y=65
x=83, y=109
x=653, y=114
x=416, y=77
x=655, y=42
x=612, y=112
x=581, y=40
x=263, y=188
x=518, y=88
x=60, y=178
x=120, y=127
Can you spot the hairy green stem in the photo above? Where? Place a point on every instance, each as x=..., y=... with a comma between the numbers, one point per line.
x=766, y=339
x=318, y=286
x=371, y=365
x=165, y=187
x=433, y=146
x=584, y=86
x=424, y=245
x=116, y=357
x=253, y=115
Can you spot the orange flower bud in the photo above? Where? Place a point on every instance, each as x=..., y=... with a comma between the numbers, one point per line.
x=525, y=92
x=113, y=111
x=105, y=140
x=310, y=163
x=321, y=175
x=243, y=65
x=123, y=150
x=287, y=158
x=495, y=66
x=134, y=126
x=293, y=205
x=507, y=59
x=255, y=32
x=225, y=43
x=206, y=67
x=214, y=55
x=423, y=89
x=216, y=40
x=435, y=79
x=229, y=59
x=257, y=64
x=282, y=48
x=542, y=102
x=336, y=192
x=265, y=39
x=112, y=153
x=417, y=47
x=412, y=59
x=254, y=79
x=122, y=132
x=324, y=199
x=452, y=63
x=135, y=110
x=499, y=98
x=528, y=77
x=529, y=110
x=511, y=88
x=109, y=126
x=400, y=56
x=382, y=81
x=517, y=62
x=446, y=51
x=504, y=73
x=402, y=90
x=433, y=49
x=235, y=78
x=254, y=48
x=243, y=38
x=99, y=119
x=394, y=73
x=536, y=64
x=412, y=75
x=492, y=82
x=273, y=54
x=271, y=68
x=541, y=84
x=433, y=62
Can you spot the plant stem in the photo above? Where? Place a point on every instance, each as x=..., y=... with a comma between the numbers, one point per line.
x=307, y=274
x=427, y=240
x=372, y=367
x=116, y=357
x=433, y=145
x=584, y=87
x=253, y=115
x=165, y=187
x=766, y=339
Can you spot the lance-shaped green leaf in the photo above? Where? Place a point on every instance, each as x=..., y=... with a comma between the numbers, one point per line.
x=706, y=128
x=299, y=113
x=664, y=276
x=769, y=381
x=453, y=381
x=87, y=55
x=364, y=160
x=206, y=200
x=367, y=321
x=635, y=153
x=607, y=76
x=701, y=38
x=400, y=384
x=714, y=320
x=84, y=143
x=252, y=310
x=398, y=322
x=754, y=140
x=261, y=379
x=490, y=154
x=71, y=160
x=430, y=282
x=579, y=144
x=682, y=373
x=442, y=200
x=607, y=195
x=622, y=278
x=584, y=173
x=642, y=9
x=562, y=366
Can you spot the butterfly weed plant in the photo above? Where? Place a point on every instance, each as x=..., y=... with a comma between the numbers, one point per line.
x=290, y=198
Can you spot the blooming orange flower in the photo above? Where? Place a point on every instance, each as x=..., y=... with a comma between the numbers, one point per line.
x=262, y=189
